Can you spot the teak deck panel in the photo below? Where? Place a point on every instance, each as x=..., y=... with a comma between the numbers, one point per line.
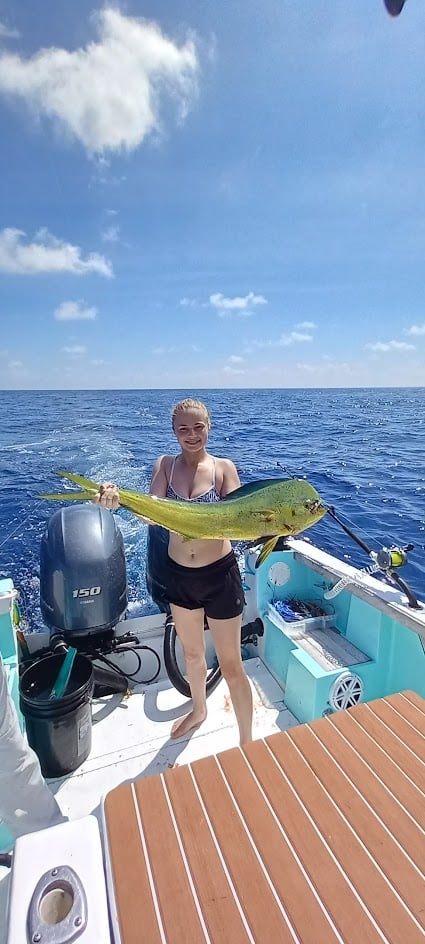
x=314, y=836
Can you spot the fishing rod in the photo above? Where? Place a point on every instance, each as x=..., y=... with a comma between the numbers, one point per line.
x=386, y=560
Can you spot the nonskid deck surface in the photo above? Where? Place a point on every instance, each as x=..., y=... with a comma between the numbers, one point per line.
x=131, y=735
x=309, y=836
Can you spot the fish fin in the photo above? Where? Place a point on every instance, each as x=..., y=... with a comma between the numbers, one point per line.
x=87, y=484
x=266, y=550
x=267, y=514
x=68, y=496
x=251, y=487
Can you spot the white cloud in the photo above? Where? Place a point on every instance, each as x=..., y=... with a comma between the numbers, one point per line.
x=108, y=94
x=46, y=254
x=232, y=370
x=306, y=326
x=285, y=340
x=74, y=311
x=240, y=305
x=6, y=33
x=308, y=368
x=75, y=350
x=416, y=329
x=327, y=366
x=294, y=337
x=383, y=347
x=111, y=234
x=236, y=359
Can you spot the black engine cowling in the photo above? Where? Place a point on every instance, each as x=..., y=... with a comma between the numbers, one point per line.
x=83, y=575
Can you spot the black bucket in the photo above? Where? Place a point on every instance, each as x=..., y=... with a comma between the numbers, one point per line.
x=59, y=729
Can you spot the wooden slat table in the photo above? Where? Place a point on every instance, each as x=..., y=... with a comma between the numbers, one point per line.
x=315, y=835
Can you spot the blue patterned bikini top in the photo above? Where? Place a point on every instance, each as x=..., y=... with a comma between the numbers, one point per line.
x=212, y=495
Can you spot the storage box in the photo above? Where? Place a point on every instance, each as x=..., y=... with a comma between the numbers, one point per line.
x=299, y=625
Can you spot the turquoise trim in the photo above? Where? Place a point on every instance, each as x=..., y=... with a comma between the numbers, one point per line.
x=396, y=655
x=9, y=654
x=8, y=646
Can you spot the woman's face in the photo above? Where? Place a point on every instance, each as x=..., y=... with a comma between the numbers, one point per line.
x=191, y=428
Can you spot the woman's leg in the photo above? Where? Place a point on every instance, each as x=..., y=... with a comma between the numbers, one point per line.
x=190, y=630
x=226, y=634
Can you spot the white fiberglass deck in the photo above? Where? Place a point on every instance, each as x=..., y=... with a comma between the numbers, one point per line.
x=131, y=739
x=131, y=735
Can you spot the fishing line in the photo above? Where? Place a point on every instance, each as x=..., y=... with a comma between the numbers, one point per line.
x=19, y=526
x=385, y=560
x=350, y=522
x=285, y=469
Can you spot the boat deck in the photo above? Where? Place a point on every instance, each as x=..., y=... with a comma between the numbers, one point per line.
x=130, y=735
x=313, y=836
x=130, y=739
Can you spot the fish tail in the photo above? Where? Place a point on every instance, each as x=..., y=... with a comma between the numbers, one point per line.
x=87, y=484
x=89, y=489
x=68, y=496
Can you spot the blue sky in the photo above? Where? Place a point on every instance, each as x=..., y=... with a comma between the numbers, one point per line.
x=211, y=193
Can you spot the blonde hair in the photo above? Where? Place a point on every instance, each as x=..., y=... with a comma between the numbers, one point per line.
x=189, y=404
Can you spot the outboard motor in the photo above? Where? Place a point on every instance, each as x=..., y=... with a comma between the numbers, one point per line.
x=83, y=576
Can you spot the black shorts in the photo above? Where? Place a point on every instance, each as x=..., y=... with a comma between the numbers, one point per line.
x=216, y=588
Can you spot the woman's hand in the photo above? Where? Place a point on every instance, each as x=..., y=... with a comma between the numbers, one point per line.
x=108, y=496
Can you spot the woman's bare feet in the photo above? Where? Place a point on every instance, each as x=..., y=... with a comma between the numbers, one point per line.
x=189, y=723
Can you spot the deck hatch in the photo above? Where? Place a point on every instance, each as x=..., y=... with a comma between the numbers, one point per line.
x=316, y=834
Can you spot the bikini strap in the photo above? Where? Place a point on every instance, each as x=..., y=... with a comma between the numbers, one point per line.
x=213, y=475
x=172, y=471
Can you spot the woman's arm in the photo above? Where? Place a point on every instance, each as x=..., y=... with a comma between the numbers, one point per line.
x=159, y=480
x=231, y=479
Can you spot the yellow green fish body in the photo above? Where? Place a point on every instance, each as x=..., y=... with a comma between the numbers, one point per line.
x=275, y=507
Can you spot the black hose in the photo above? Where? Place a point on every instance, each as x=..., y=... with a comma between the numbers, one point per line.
x=129, y=675
x=249, y=634
x=172, y=668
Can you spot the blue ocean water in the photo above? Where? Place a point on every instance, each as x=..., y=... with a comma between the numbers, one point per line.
x=364, y=451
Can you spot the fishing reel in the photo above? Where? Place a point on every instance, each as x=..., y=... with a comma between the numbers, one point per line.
x=390, y=558
x=387, y=560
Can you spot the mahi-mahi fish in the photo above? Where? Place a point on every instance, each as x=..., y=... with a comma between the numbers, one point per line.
x=271, y=508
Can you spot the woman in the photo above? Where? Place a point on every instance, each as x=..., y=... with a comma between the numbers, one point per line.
x=202, y=576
